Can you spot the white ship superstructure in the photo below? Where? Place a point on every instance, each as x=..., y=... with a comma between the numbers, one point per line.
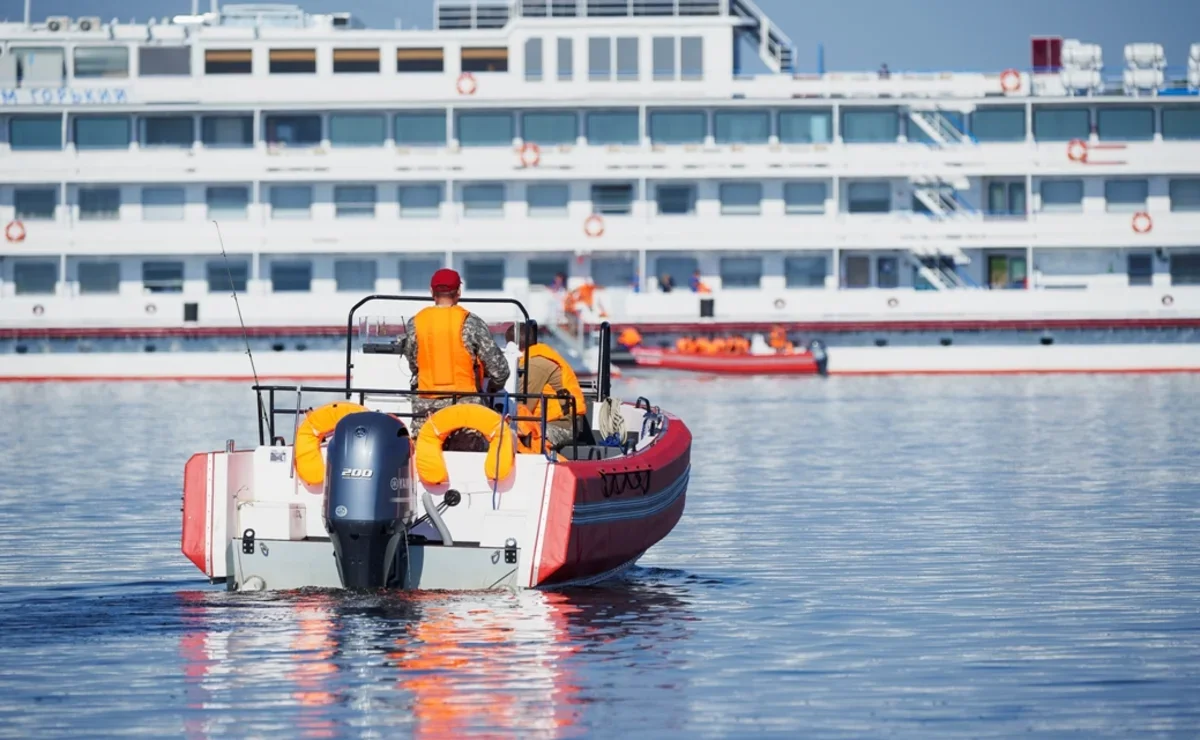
x=616, y=141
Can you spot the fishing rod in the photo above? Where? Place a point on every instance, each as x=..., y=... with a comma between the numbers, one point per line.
x=245, y=335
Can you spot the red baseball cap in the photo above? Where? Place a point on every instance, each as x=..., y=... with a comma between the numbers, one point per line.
x=445, y=280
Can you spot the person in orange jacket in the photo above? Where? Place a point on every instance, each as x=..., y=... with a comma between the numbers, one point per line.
x=551, y=375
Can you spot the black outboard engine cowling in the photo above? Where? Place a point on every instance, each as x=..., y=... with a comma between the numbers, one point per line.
x=368, y=499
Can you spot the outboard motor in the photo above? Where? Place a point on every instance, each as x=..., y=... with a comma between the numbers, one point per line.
x=817, y=348
x=368, y=499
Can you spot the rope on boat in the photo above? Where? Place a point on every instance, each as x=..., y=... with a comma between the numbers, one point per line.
x=611, y=422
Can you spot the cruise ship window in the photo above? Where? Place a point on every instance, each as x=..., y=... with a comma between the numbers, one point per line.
x=691, y=58
x=162, y=277
x=35, y=278
x=533, y=60
x=1185, y=194
x=420, y=201
x=543, y=271
x=485, y=129
x=291, y=202
x=220, y=273
x=805, y=272
x=678, y=127
x=357, y=129
x=35, y=204
x=167, y=131
x=1062, y=196
x=600, y=59
x=228, y=62
x=1126, y=196
x=227, y=202
x=868, y=197
x=162, y=204
x=1125, y=124
x=293, y=61
x=549, y=128
x=483, y=274
x=164, y=61
x=1005, y=198
x=741, y=272
x=613, y=127
x=547, y=201
x=29, y=133
x=627, y=58
x=1140, y=269
x=566, y=59
x=887, y=270
x=420, y=129
x=483, y=201
x=1185, y=268
x=741, y=198
x=804, y=198
x=227, y=131
x=675, y=200
x=1181, y=123
x=806, y=126
x=291, y=276
x=355, y=61
x=420, y=60
x=858, y=271
x=293, y=130
x=354, y=201
x=998, y=124
x=679, y=269
x=99, y=204
x=663, y=57
x=870, y=126
x=742, y=127
x=612, y=200
x=99, y=278
x=415, y=274
x=485, y=59
x=102, y=132
x=40, y=66
x=95, y=62
x=356, y=276
x=1061, y=124
x=613, y=272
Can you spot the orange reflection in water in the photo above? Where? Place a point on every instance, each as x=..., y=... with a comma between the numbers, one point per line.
x=313, y=649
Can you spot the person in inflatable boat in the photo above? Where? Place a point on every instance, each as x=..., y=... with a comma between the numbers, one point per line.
x=450, y=350
x=549, y=374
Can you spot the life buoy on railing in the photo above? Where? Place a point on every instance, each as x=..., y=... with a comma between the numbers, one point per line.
x=318, y=424
x=892, y=303
x=531, y=155
x=429, y=460
x=1142, y=222
x=1168, y=300
x=593, y=226
x=780, y=304
x=151, y=309
x=38, y=310
x=1077, y=150
x=15, y=231
x=466, y=84
x=1010, y=80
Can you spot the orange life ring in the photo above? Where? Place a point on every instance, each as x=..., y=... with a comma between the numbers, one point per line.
x=1077, y=150
x=466, y=84
x=318, y=424
x=431, y=463
x=594, y=226
x=531, y=155
x=1142, y=223
x=1010, y=80
x=15, y=231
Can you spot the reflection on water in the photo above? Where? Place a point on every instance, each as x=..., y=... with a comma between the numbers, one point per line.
x=981, y=557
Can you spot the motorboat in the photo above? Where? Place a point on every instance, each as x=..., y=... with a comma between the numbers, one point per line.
x=814, y=360
x=337, y=493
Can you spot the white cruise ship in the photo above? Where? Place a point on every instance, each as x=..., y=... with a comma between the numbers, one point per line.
x=621, y=143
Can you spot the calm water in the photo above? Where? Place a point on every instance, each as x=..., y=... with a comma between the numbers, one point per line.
x=901, y=557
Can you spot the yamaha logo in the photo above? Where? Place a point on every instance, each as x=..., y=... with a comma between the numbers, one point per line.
x=395, y=484
x=341, y=511
x=357, y=472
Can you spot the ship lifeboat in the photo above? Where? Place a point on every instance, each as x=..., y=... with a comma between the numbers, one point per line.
x=807, y=362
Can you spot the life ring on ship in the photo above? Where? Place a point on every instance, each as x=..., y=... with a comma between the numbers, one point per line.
x=39, y=309
x=318, y=424
x=1142, y=223
x=501, y=454
x=466, y=84
x=531, y=155
x=1010, y=80
x=1168, y=300
x=593, y=226
x=1077, y=150
x=151, y=309
x=893, y=302
x=780, y=304
x=15, y=231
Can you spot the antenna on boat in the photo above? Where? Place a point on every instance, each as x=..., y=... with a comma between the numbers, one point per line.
x=245, y=335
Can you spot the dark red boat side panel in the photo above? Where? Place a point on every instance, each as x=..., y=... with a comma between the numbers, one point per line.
x=196, y=497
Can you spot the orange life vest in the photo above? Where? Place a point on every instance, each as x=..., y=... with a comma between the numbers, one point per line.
x=554, y=409
x=443, y=362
